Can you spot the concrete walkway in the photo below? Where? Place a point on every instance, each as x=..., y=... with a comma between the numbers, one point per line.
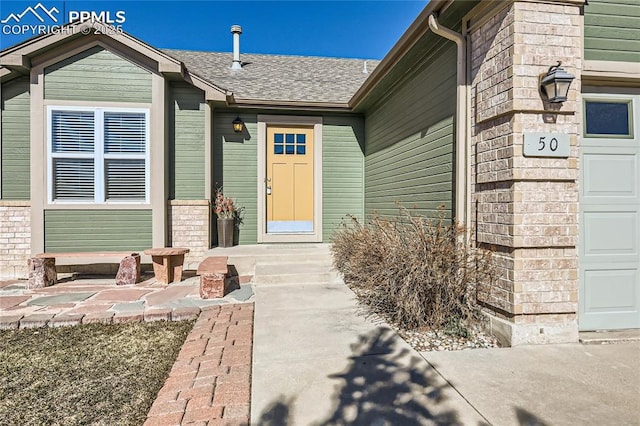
x=570, y=384
x=319, y=361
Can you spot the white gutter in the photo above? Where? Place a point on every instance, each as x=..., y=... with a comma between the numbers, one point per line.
x=463, y=166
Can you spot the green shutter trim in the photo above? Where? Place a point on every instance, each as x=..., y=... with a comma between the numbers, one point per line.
x=235, y=167
x=611, y=30
x=343, y=171
x=410, y=141
x=97, y=230
x=97, y=75
x=15, y=140
x=186, y=159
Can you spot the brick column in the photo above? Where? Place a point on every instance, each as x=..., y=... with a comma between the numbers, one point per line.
x=15, y=238
x=189, y=226
x=526, y=209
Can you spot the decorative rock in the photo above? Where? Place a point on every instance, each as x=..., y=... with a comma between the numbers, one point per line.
x=129, y=271
x=42, y=272
x=212, y=286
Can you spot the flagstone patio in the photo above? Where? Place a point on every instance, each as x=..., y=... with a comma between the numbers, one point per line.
x=87, y=299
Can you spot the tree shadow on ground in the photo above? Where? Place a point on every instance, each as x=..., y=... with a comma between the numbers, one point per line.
x=526, y=418
x=384, y=383
x=277, y=413
x=388, y=385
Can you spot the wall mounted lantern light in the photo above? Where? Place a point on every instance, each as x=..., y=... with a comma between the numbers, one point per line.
x=556, y=83
x=238, y=125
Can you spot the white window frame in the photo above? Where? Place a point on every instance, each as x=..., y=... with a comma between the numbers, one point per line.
x=98, y=154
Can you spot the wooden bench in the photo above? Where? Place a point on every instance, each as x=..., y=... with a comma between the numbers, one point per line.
x=167, y=263
x=42, y=267
x=214, y=277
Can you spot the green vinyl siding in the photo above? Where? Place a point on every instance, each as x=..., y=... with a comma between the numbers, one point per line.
x=343, y=170
x=235, y=167
x=186, y=159
x=97, y=75
x=612, y=30
x=97, y=230
x=409, y=142
x=410, y=127
x=15, y=140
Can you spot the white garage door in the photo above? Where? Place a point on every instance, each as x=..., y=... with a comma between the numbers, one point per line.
x=610, y=212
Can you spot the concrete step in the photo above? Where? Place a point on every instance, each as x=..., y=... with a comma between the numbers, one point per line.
x=293, y=273
x=245, y=258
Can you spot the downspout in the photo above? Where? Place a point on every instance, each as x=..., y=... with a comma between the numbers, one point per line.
x=463, y=170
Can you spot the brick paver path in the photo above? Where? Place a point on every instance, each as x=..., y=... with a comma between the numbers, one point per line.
x=210, y=382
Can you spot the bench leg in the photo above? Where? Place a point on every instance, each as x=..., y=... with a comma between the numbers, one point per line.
x=42, y=272
x=176, y=263
x=161, y=268
x=168, y=268
x=212, y=286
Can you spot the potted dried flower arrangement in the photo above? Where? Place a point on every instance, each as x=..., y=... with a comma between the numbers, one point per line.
x=227, y=213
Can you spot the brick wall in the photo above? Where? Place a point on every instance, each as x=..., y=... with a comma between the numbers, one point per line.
x=526, y=209
x=15, y=238
x=189, y=226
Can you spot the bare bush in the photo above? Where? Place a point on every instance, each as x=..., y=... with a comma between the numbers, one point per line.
x=415, y=271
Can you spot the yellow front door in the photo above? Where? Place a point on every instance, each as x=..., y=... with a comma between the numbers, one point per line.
x=289, y=180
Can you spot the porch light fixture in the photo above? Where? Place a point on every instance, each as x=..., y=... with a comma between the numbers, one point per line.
x=556, y=84
x=238, y=125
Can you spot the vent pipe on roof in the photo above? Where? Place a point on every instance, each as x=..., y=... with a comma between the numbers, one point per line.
x=236, y=30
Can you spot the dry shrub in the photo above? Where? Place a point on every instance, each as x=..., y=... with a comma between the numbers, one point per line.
x=415, y=271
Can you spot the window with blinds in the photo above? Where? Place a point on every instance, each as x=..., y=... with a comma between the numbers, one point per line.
x=98, y=155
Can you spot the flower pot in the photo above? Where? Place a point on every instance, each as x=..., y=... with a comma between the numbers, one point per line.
x=225, y=232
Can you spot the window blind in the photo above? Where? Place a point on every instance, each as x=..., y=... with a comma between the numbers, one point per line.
x=73, y=179
x=72, y=131
x=125, y=179
x=124, y=132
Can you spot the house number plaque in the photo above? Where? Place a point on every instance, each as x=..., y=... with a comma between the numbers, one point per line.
x=546, y=145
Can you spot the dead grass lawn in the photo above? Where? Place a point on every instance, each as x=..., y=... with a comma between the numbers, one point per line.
x=88, y=374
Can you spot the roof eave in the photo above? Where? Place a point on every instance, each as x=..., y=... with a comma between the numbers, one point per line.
x=301, y=105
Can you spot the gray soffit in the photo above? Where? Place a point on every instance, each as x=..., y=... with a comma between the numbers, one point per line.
x=279, y=78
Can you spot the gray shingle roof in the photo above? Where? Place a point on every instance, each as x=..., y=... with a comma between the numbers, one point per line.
x=279, y=77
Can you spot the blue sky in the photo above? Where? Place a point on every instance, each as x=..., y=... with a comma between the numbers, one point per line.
x=349, y=29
